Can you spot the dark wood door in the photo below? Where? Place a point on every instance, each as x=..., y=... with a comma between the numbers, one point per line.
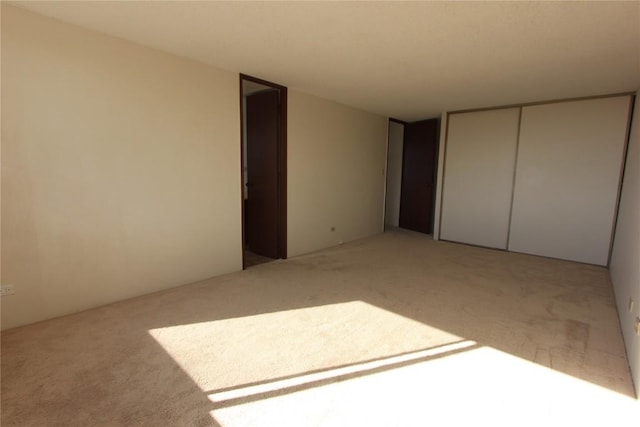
x=418, y=175
x=262, y=171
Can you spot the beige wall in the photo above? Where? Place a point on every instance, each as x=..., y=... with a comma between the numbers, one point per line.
x=336, y=162
x=394, y=174
x=625, y=264
x=120, y=169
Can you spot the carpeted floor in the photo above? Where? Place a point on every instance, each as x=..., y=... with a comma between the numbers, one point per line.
x=393, y=330
x=252, y=259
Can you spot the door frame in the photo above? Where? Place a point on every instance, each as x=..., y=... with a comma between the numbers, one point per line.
x=282, y=163
x=386, y=178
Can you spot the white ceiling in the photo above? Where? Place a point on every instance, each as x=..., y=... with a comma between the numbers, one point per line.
x=408, y=60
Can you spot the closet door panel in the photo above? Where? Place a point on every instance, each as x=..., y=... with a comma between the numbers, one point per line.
x=478, y=177
x=567, y=178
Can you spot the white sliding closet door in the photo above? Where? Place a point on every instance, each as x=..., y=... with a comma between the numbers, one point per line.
x=478, y=177
x=567, y=177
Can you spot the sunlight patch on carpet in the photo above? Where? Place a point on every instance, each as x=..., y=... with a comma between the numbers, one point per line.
x=231, y=352
x=336, y=373
x=478, y=385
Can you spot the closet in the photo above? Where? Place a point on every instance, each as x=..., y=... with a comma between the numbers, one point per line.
x=539, y=179
x=480, y=163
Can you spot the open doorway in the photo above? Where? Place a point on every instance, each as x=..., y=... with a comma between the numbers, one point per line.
x=411, y=174
x=263, y=117
x=419, y=164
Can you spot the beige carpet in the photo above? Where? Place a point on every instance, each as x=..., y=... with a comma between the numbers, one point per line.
x=392, y=330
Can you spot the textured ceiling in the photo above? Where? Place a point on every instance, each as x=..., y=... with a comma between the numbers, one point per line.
x=408, y=60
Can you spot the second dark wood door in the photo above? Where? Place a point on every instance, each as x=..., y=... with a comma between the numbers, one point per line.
x=418, y=175
x=262, y=173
